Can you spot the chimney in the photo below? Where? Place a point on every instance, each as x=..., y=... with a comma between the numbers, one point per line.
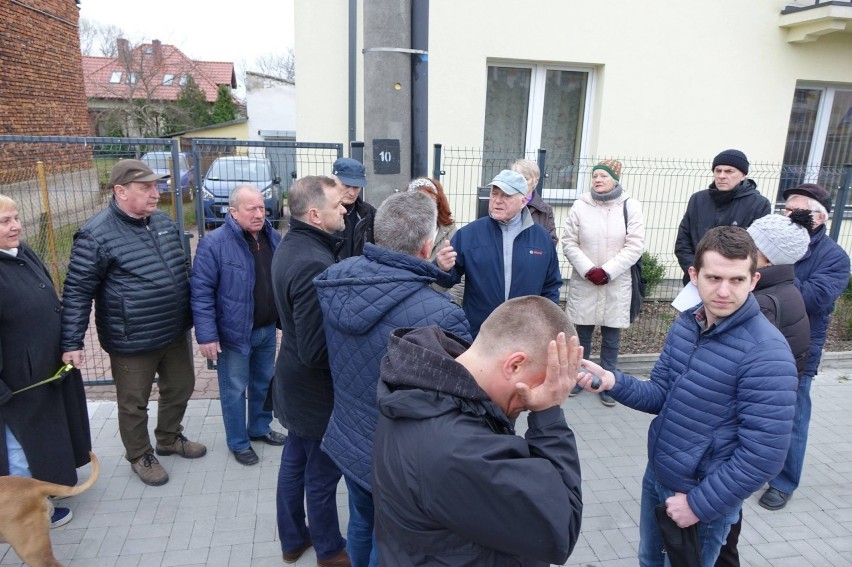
x=157, y=49
x=123, y=47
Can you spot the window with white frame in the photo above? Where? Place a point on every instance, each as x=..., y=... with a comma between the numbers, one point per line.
x=131, y=78
x=819, y=137
x=168, y=79
x=184, y=78
x=536, y=106
x=115, y=77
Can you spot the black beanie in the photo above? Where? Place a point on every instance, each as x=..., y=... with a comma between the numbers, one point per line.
x=734, y=158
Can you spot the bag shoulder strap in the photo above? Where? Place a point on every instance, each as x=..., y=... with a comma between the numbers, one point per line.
x=777, y=303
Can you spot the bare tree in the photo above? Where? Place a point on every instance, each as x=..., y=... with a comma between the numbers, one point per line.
x=278, y=65
x=97, y=39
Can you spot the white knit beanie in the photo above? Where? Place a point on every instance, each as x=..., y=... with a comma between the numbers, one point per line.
x=779, y=239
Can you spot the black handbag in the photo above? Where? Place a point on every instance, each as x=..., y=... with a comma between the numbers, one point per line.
x=681, y=544
x=638, y=284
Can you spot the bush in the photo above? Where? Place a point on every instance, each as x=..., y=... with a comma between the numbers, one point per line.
x=652, y=270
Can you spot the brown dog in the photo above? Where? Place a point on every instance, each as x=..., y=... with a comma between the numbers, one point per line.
x=25, y=514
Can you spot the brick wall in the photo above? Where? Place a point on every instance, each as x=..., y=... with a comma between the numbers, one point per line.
x=41, y=83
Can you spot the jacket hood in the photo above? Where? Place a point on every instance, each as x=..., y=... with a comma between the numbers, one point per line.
x=774, y=275
x=361, y=290
x=420, y=378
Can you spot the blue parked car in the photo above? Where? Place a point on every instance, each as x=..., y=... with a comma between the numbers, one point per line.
x=226, y=173
x=159, y=163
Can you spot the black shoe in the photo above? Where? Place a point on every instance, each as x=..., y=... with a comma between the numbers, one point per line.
x=271, y=438
x=575, y=390
x=607, y=400
x=774, y=499
x=246, y=457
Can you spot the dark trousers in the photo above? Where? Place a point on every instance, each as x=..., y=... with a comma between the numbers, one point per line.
x=308, y=474
x=610, y=343
x=134, y=378
x=728, y=555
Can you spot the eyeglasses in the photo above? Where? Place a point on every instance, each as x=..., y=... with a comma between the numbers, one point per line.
x=790, y=211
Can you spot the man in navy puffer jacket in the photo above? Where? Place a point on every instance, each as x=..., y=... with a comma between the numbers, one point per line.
x=821, y=275
x=363, y=299
x=724, y=391
x=235, y=317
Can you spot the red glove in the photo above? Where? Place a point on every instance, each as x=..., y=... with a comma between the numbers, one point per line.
x=597, y=276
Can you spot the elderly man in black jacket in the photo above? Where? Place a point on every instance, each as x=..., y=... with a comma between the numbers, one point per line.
x=130, y=259
x=302, y=390
x=731, y=200
x=452, y=482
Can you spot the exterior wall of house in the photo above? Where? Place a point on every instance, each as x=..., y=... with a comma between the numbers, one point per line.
x=41, y=89
x=672, y=78
x=270, y=104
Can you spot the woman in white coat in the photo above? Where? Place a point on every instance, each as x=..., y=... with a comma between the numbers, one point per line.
x=602, y=245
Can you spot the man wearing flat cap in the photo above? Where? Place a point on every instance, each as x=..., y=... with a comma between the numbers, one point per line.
x=351, y=178
x=821, y=275
x=731, y=200
x=503, y=255
x=129, y=258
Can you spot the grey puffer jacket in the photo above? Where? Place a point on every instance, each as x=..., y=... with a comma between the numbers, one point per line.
x=138, y=275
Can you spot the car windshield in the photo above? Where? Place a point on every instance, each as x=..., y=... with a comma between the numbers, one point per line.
x=239, y=170
x=160, y=160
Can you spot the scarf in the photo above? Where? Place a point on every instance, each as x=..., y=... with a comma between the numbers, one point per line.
x=611, y=196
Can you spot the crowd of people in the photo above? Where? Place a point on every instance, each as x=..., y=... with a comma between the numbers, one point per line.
x=409, y=347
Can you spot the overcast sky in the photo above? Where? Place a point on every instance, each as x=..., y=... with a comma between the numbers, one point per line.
x=212, y=30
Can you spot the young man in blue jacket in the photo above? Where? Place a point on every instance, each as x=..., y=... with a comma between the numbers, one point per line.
x=235, y=318
x=724, y=391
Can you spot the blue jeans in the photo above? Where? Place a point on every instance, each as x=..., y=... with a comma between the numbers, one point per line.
x=244, y=376
x=788, y=479
x=361, y=535
x=307, y=473
x=18, y=464
x=711, y=535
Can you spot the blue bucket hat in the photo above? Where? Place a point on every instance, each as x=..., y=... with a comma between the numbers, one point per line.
x=350, y=171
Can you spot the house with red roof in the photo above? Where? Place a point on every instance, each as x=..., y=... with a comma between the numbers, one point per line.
x=131, y=94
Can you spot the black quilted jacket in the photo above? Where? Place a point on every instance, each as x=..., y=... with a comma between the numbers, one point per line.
x=138, y=275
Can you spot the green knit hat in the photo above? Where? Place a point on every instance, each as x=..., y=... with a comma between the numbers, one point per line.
x=611, y=166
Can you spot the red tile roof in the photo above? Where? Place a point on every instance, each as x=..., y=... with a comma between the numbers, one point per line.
x=151, y=62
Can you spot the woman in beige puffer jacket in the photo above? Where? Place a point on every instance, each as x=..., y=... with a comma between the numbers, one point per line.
x=601, y=248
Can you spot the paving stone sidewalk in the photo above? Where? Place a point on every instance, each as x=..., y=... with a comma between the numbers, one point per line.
x=217, y=512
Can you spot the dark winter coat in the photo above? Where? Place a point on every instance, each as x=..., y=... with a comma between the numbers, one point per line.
x=453, y=484
x=792, y=321
x=137, y=273
x=479, y=245
x=724, y=402
x=542, y=214
x=222, y=286
x=51, y=421
x=359, y=219
x=302, y=392
x=821, y=275
x=363, y=299
x=702, y=214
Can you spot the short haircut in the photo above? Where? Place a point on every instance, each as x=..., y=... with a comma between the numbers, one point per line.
x=405, y=221
x=7, y=203
x=527, y=167
x=308, y=193
x=525, y=324
x=731, y=242
x=234, y=197
x=433, y=188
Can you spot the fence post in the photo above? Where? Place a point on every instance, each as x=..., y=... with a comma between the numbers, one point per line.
x=436, y=162
x=46, y=227
x=356, y=151
x=198, y=202
x=542, y=162
x=840, y=206
x=177, y=198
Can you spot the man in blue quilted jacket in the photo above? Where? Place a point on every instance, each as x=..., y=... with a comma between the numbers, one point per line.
x=724, y=391
x=363, y=299
x=235, y=317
